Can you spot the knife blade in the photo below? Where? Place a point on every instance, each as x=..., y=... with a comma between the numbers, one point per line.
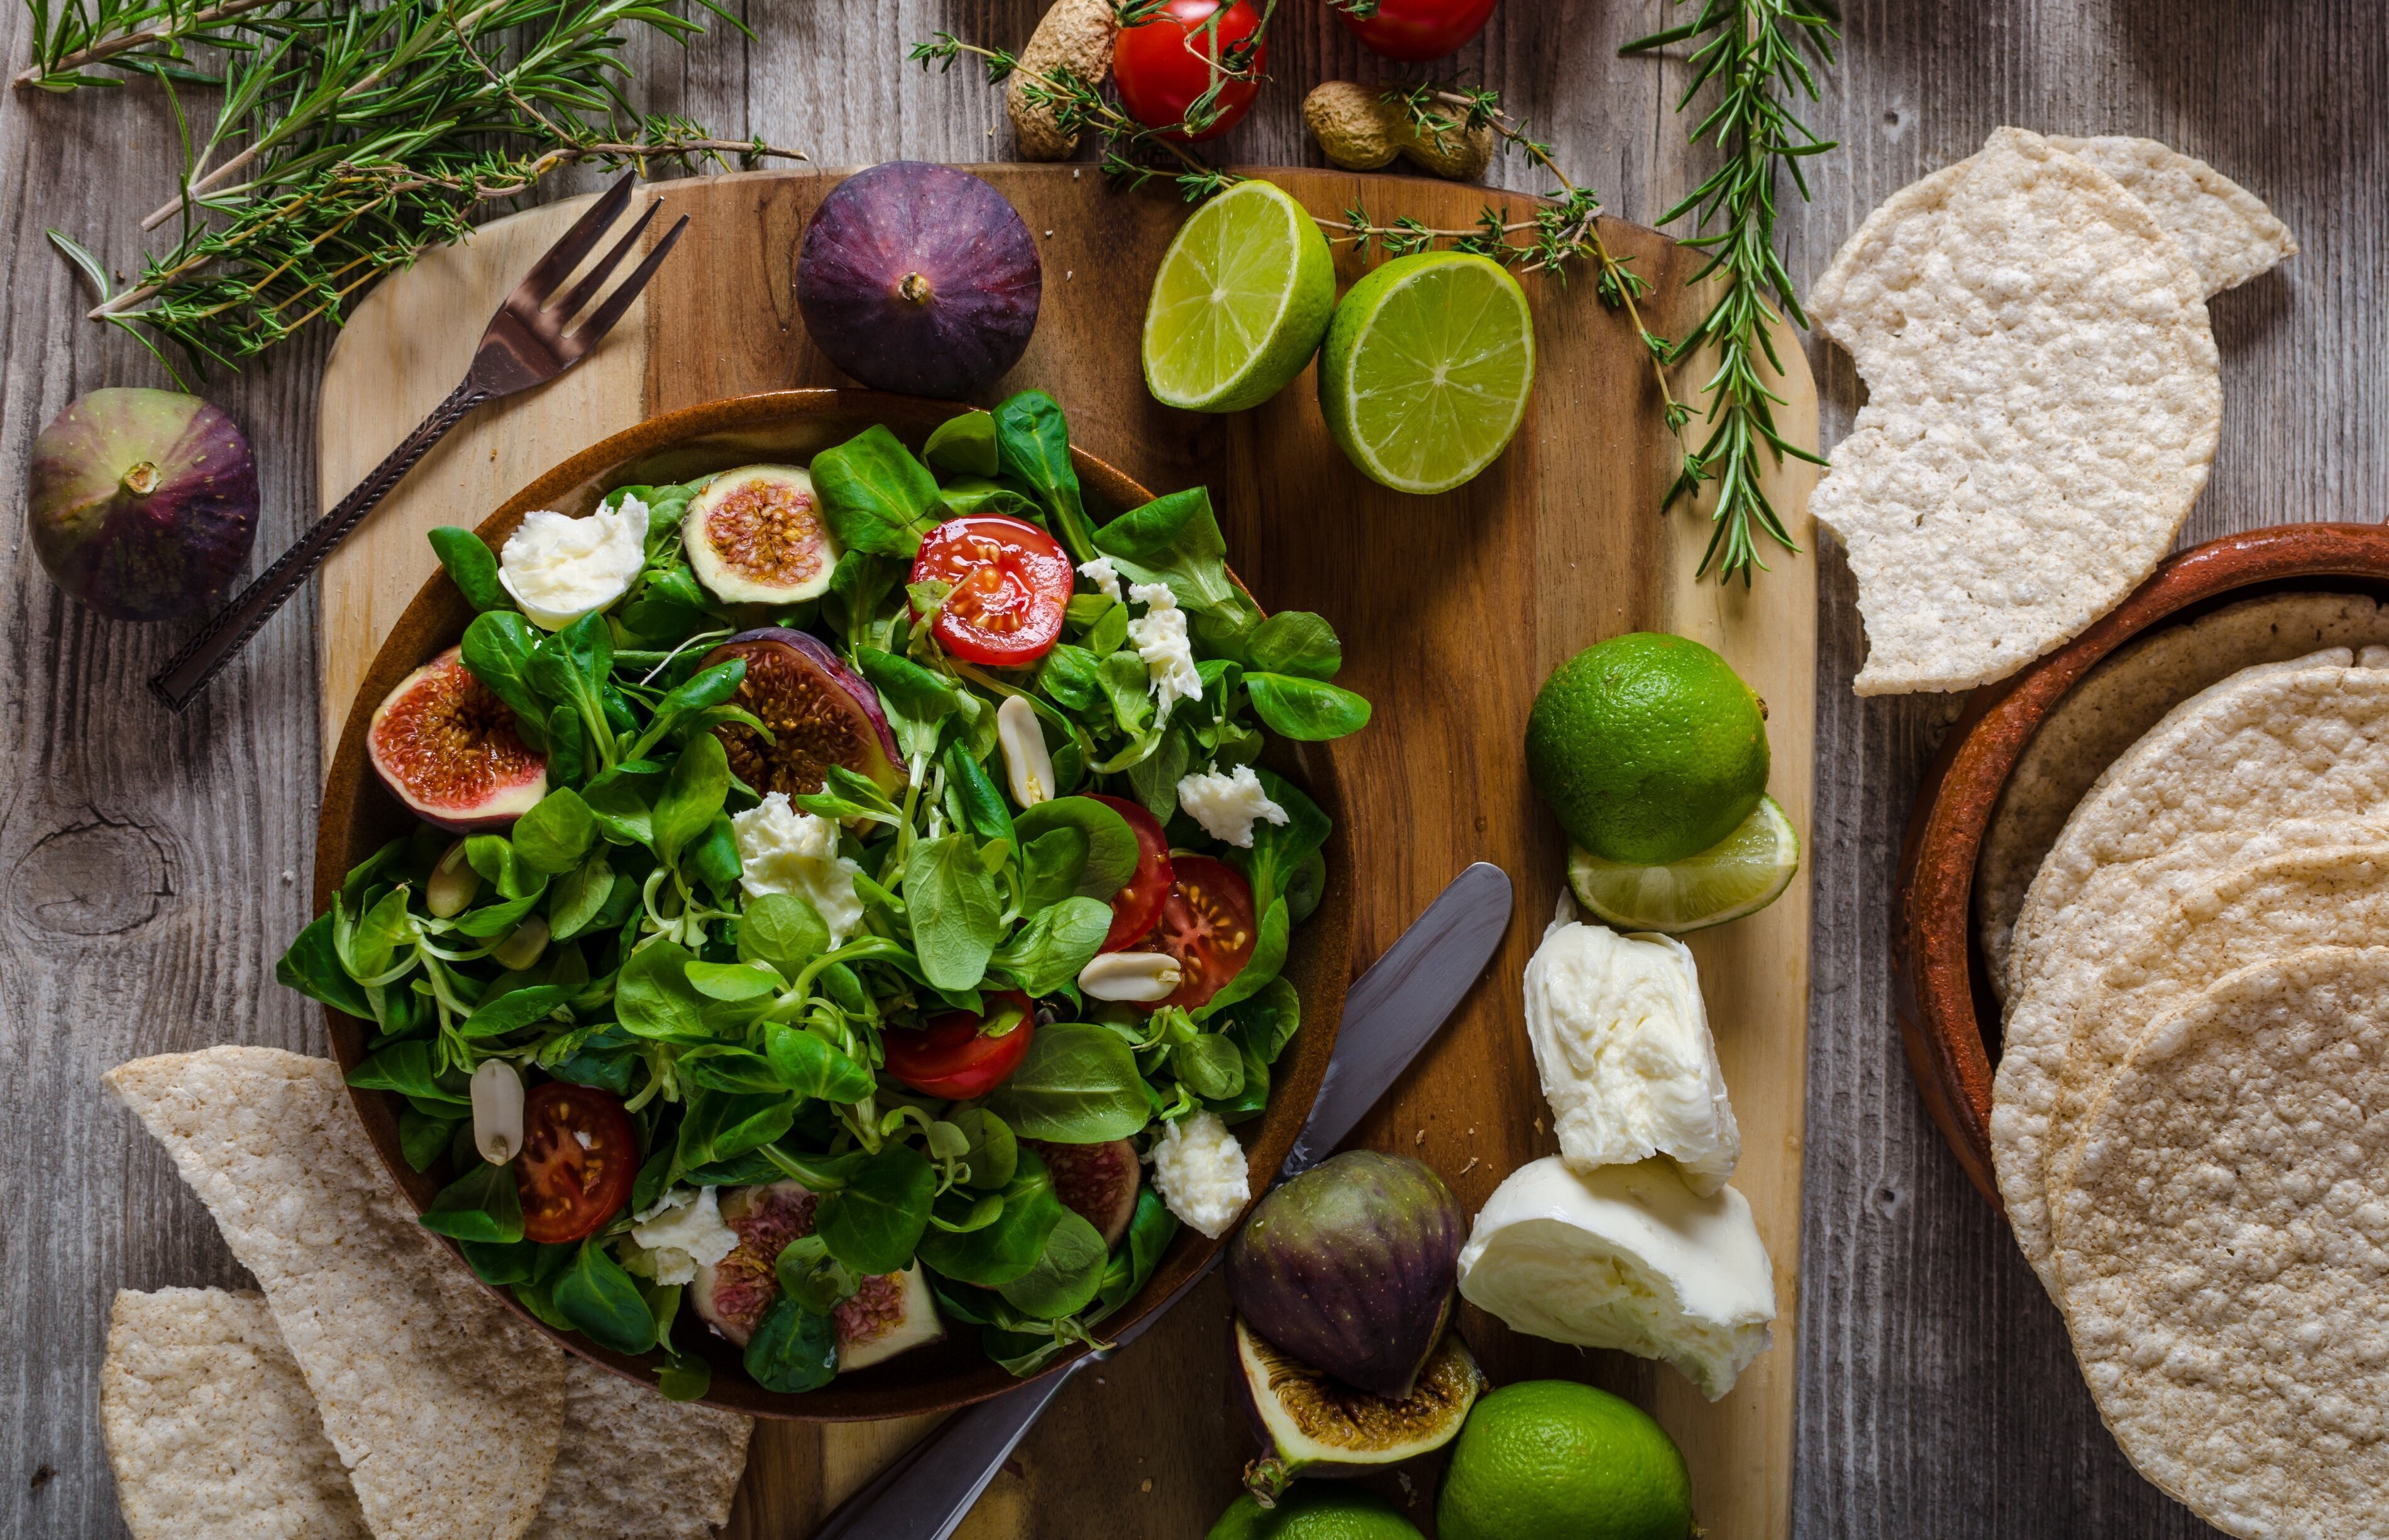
x=1391, y=1012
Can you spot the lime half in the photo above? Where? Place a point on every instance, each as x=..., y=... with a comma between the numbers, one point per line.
x=1240, y=303
x=1741, y=874
x=1426, y=368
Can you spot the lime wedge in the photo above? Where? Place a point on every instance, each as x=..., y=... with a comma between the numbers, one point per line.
x=1426, y=367
x=1240, y=303
x=1740, y=874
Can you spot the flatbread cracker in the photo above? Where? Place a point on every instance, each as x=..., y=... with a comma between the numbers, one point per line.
x=637, y=1467
x=445, y=1409
x=2044, y=403
x=2115, y=705
x=2223, y=1237
x=2077, y=1021
x=2224, y=229
x=210, y=1426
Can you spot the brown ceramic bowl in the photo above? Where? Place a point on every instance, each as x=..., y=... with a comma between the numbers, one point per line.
x=359, y=815
x=1949, y=1019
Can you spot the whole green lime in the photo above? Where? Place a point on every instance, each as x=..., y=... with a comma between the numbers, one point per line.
x=1551, y=1460
x=1648, y=747
x=1315, y=1510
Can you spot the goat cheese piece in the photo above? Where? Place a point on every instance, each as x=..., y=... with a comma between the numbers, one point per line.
x=1159, y=637
x=1228, y=806
x=1105, y=575
x=1622, y=1043
x=1199, y=1170
x=782, y=850
x=683, y=1233
x=1625, y=1257
x=560, y=569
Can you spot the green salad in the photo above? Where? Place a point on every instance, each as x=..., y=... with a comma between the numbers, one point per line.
x=832, y=887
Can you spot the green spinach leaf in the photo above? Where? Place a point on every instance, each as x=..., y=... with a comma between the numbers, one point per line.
x=472, y=568
x=793, y=1350
x=964, y=444
x=603, y=1303
x=875, y=496
x=956, y=916
x=1111, y=844
x=1077, y=1085
x=1307, y=710
x=481, y=1205
x=873, y=1224
x=1048, y=952
x=1067, y=1273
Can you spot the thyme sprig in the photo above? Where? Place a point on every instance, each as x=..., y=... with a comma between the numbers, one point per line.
x=347, y=141
x=1754, y=52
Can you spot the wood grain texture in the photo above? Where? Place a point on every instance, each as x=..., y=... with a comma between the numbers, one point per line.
x=1936, y=1400
x=1451, y=610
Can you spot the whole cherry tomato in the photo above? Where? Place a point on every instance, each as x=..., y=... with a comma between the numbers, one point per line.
x=1164, y=63
x=1010, y=585
x=1206, y=924
x=1138, y=903
x=579, y=1157
x=960, y=1054
x=1414, y=30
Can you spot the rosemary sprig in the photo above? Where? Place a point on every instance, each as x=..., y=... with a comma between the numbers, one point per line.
x=349, y=140
x=1754, y=52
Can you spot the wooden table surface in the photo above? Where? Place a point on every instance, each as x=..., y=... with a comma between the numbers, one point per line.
x=150, y=869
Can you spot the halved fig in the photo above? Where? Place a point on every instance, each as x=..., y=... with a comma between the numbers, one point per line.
x=445, y=745
x=821, y=713
x=1097, y=1182
x=889, y=1313
x=1315, y=1426
x=756, y=536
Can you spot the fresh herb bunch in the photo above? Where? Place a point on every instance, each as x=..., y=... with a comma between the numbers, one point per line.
x=1756, y=52
x=745, y=1046
x=351, y=138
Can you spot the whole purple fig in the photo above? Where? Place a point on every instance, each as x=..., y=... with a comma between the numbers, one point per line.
x=919, y=278
x=142, y=503
x=1350, y=1266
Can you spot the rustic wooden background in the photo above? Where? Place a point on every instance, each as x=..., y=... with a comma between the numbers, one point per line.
x=152, y=866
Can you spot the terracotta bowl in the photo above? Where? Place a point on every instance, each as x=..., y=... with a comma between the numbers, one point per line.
x=1948, y=1018
x=359, y=815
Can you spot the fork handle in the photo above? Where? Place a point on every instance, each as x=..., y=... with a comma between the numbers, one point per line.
x=229, y=630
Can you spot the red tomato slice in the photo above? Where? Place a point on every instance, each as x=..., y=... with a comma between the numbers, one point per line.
x=1164, y=63
x=1011, y=584
x=1206, y=924
x=1415, y=31
x=580, y=1156
x=1138, y=904
x=953, y=1057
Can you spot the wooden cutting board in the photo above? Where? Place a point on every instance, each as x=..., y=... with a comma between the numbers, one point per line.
x=1453, y=609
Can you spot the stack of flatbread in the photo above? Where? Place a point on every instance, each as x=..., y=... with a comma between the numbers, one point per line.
x=2191, y=1117
x=371, y=1388
x=2044, y=393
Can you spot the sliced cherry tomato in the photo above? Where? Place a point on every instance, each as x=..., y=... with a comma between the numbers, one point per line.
x=1138, y=904
x=953, y=1057
x=1415, y=31
x=579, y=1158
x=1164, y=63
x=1010, y=581
x=1206, y=924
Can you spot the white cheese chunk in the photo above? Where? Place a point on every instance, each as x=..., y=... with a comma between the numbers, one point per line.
x=683, y=1233
x=782, y=850
x=560, y=569
x=1627, y=1257
x=1199, y=1169
x=1227, y=806
x=1105, y=575
x=1622, y=1043
x=1159, y=637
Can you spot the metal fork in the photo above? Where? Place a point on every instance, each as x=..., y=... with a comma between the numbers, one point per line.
x=526, y=345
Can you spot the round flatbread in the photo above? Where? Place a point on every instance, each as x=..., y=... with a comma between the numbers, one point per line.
x=2224, y=229
x=2115, y=705
x=2077, y=1019
x=2223, y=1240
x=2302, y=740
x=2043, y=402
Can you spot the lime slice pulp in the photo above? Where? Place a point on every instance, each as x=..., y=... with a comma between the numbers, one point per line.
x=1426, y=368
x=1741, y=874
x=1242, y=299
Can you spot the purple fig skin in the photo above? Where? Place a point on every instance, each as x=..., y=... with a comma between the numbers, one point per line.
x=831, y=664
x=919, y=278
x=142, y=503
x=1350, y=1267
